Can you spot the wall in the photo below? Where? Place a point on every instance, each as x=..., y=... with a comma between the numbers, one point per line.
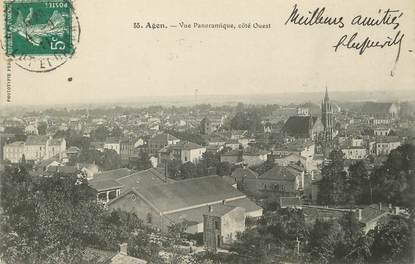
x=35, y=152
x=139, y=207
x=231, y=224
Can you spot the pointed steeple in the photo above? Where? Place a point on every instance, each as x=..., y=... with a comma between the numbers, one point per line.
x=326, y=96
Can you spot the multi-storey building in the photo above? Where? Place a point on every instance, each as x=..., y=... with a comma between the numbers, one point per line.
x=35, y=148
x=14, y=152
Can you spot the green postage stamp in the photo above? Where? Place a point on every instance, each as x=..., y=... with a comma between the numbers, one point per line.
x=38, y=27
x=40, y=35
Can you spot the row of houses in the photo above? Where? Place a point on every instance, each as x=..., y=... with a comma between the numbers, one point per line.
x=358, y=149
x=162, y=146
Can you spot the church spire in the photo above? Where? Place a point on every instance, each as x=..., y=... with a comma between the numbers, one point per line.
x=326, y=96
x=327, y=117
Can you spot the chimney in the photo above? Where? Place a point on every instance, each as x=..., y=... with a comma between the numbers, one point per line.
x=223, y=202
x=123, y=248
x=359, y=214
x=380, y=206
x=210, y=209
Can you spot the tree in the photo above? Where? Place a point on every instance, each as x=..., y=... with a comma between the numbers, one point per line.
x=40, y=216
x=143, y=162
x=100, y=133
x=53, y=219
x=111, y=160
x=357, y=189
x=354, y=247
x=83, y=143
x=42, y=128
x=324, y=239
x=286, y=226
x=360, y=251
x=141, y=246
x=250, y=120
x=394, y=181
x=223, y=168
x=91, y=156
x=393, y=242
x=173, y=169
x=116, y=132
x=188, y=170
x=208, y=164
x=332, y=186
x=252, y=247
x=240, y=121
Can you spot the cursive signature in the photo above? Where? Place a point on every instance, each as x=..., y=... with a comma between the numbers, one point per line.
x=350, y=42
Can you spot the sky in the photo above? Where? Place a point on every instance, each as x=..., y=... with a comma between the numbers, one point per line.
x=114, y=61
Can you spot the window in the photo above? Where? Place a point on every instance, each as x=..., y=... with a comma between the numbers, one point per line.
x=102, y=196
x=112, y=195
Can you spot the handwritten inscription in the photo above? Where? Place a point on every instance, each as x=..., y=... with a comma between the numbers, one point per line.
x=317, y=17
x=361, y=46
x=356, y=40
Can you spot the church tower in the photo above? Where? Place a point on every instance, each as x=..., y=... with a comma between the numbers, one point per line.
x=327, y=117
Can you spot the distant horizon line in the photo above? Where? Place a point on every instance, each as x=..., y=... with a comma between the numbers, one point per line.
x=143, y=99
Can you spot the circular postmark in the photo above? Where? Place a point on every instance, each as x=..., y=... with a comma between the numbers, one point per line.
x=41, y=35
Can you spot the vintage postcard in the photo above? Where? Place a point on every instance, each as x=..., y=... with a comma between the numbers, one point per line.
x=196, y=131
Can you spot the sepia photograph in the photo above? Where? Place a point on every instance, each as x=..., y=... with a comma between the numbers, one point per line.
x=207, y=132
